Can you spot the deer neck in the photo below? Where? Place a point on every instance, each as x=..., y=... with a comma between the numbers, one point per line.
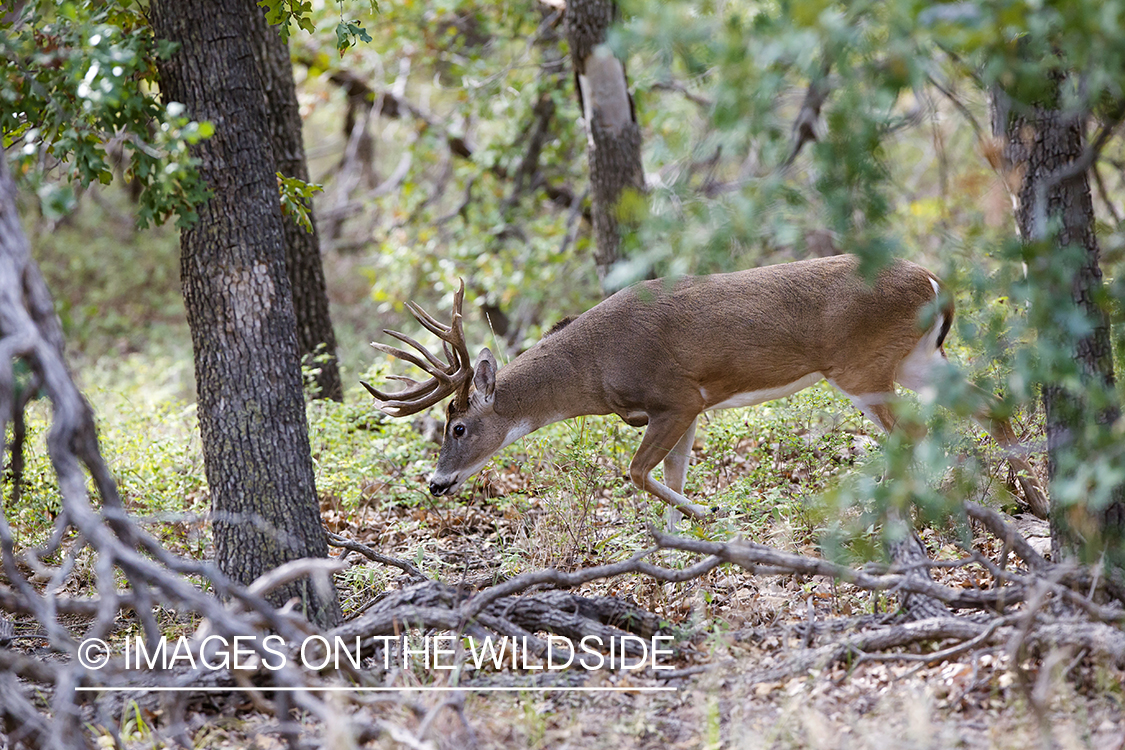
x=542, y=386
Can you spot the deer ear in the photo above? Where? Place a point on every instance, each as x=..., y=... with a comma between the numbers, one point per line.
x=484, y=379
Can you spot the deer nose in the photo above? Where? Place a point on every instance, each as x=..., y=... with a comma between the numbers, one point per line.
x=437, y=489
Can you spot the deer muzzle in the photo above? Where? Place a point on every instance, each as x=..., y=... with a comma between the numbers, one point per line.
x=443, y=486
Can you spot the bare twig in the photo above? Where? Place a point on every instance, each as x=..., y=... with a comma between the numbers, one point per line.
x=335, y=540
x=1007, y=533
x=1104, y=194
x=805, y=123
x=981, y=133
x=672, y=85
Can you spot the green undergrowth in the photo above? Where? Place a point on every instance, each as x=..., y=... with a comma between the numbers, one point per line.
x=116, y=289
x=759, y=466
x=564, y=489
x=784, y=473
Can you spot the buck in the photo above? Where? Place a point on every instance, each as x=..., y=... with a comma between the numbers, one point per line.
x=662, y=353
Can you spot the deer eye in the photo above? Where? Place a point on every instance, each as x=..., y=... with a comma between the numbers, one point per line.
x=458, y=430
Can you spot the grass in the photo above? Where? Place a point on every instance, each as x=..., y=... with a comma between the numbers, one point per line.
x=558, y=498
x=116, y=289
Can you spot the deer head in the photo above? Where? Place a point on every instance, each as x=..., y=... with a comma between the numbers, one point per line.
x=472, y=433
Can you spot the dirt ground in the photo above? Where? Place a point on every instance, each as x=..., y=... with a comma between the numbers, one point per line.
x=735, y=631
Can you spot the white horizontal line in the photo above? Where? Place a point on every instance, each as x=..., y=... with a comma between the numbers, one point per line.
x=339, y=689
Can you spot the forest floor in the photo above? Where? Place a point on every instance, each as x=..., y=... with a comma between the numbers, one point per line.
x=739, y=627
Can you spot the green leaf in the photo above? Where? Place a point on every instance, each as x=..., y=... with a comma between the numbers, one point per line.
x=349, y=33
x=295, y=199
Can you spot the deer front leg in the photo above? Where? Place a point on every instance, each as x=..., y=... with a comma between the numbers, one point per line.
x=675, y=472
x=662, y=439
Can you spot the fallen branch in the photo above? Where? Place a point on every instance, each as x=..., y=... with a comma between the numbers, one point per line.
x=758, y=558
x=1102, y=641
x=336, y=540
x=437, y=605
x=1006, y=533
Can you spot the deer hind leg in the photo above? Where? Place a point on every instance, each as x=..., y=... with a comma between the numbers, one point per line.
x=1002, y=432
x=667, y=439
x=917, y=372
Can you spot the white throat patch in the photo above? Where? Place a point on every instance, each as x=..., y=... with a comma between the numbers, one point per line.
x=518, y=430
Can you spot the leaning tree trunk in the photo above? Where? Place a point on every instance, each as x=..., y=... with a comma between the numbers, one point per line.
x=316, y=340
x=240, y=310
x=1045, y=143
x=613, y=135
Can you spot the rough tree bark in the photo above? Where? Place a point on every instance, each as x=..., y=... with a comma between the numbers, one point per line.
x=613, y=135
x=315, y=336
x=240, y=310
x=1044, y=143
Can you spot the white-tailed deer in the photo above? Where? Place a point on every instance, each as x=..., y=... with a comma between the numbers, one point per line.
x=661, y=354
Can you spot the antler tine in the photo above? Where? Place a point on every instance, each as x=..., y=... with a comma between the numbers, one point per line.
x=421, y=390
x=438, y=329
x=402, y=409
x=443, y=366
x=403, y=379
x=434, y=326
x=438, y=372
x=446, y=378
x=439, y=378
x=457, y=333
x=452, y=335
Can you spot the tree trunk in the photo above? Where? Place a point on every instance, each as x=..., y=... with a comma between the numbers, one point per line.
x=315, y=336
x=613, y=136
x=1044, y=142
x=240, y=309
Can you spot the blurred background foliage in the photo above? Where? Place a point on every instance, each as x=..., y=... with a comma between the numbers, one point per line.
x=450, y=145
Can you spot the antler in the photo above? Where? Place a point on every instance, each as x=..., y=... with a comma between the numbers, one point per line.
x=447, y=378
